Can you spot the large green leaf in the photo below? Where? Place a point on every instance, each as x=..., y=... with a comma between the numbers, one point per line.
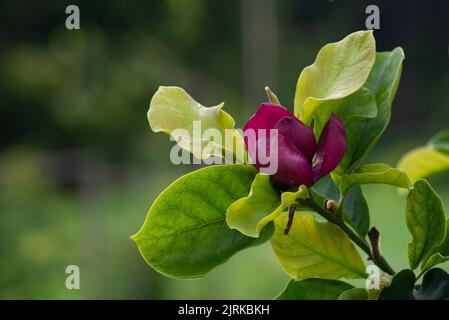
x=314, y=289
x=382, y=83
x=315, y=249
x=251, y=214
x=425, y=219
x=340, y=69
x=401, y=287
x=374, y=173
x=174, y=111
x=355, y=209
x=185, y=233
x=440, y=254
x=423, y=162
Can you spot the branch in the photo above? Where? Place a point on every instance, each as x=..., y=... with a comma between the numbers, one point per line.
x=359, y=241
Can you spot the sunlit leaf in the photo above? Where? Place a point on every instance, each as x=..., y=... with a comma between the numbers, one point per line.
x=315, y=249
x=374, y=173
x=185, y=234
x=340, y=69
x=423, y=162
x=175, y=112
x=251, y=214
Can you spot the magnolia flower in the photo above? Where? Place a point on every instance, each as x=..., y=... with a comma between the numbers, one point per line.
x=301, y=161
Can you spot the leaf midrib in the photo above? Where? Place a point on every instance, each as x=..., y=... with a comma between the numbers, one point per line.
x=184, y=230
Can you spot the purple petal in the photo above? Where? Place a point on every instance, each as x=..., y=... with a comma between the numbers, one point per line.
x=299, y=135
x=331, y=147
x=293, y=168
x=266, y=117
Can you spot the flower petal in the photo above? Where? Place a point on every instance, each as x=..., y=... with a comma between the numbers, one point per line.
x=266, y=117
x=298, y=134
x=331, y=147
x=292, y=169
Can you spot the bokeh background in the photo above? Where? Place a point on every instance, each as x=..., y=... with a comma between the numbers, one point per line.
x=79, y=166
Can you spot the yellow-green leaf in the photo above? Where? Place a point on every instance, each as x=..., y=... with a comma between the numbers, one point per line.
x=175, y=112
x=423, y=162
x=340, y=69
x=374, y=173
x=315, y=249
x=185, y=233
x=251, y=214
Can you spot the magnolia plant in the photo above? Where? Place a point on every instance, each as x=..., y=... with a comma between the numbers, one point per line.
x=312, y=208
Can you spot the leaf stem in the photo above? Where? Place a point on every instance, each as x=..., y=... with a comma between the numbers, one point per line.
x=291, y=214
x=358, y=240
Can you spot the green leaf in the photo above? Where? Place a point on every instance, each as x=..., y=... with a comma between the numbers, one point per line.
x=440, y=142
x=315, y=249
x=340, y=69
x=356, y=211
x=185, y=233
x=251, y=214
x=354, y=294
x=440, y=254
x=425, y=220
x=423, y=162
x=359, y=105
x=173, y=111
x=435, y=286
x=382, y=83
x=434, y=259
x=325, y=188
x=401, y=287
x=353, y=111
x=314, y=289
x=374, y=173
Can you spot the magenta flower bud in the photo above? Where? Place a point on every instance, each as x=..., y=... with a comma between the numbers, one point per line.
x=296, y=145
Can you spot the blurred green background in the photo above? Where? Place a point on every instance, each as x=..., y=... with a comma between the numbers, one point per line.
x=79, y=166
